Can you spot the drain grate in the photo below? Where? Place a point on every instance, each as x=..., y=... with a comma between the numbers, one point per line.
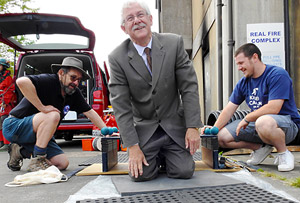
x=197, y=156
x=123, y=158
x=230, y=193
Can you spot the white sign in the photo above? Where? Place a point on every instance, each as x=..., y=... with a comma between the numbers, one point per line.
x=269, y=38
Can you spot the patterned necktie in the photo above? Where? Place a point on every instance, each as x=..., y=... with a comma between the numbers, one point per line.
x=147, y=52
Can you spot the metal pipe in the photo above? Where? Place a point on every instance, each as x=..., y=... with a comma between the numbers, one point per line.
x=158, y=7
x=230, y=44
x=287, y=35
x=220, y=55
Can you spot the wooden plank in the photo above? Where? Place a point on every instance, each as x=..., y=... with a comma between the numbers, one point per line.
x=238, y=152
x=122, y=169
x=248, y=151
x=294, y=148
x=207, y=156
x=201, y=166
x=96, y=169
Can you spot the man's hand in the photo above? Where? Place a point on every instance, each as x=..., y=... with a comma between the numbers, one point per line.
x=243, y=124
x=136, y=161
x=203, y=129
x=192, y=140
x=48, y=108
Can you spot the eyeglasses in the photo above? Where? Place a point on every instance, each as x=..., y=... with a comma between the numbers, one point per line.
x=131, y=18
x=74, y=78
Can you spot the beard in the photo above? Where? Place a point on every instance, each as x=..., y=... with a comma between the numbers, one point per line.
x=67, y=89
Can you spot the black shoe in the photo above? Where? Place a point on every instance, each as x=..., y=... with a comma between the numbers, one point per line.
x=15, y=161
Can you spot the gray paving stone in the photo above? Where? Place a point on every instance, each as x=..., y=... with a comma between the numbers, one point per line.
x=201, y=179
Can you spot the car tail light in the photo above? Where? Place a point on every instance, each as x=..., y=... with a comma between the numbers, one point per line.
x=98, y=102
x=98, y=97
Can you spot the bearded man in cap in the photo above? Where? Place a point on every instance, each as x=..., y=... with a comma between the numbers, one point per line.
x=32, y=123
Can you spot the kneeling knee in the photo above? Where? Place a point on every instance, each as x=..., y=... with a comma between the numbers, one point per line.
x=62, y=165
x=60, y=161
x=53, y=116
x=181, y=173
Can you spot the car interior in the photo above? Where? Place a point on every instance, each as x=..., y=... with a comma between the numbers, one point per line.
x=41, y=63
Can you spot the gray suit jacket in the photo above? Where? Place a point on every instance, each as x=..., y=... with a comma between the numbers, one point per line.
x=169, y=98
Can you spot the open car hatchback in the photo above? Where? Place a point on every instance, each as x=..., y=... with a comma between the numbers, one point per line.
x=49, y=39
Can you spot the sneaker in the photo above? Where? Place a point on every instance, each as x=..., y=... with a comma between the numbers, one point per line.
x=285, y=161
x=38, y=163
x=15, y=161
x=258, y=156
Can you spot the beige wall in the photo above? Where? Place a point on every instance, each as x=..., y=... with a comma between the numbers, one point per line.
x=204, y=24
x=214, y=69
x=176, y=17
x=199, y=8
x=295, y=47
x=199, y=71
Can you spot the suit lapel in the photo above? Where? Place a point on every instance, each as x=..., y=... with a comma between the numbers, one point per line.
x=138, y=64
x=158, y=55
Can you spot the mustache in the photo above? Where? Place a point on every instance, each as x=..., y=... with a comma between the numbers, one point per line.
x=138, y=26
x=73, y=85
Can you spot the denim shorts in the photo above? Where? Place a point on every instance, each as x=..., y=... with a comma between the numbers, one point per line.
x=20, y=131
x=250, y=135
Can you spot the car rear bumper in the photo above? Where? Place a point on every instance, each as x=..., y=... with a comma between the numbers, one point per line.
x=76, y=125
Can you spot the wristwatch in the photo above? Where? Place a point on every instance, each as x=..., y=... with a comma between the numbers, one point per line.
x=246, y=121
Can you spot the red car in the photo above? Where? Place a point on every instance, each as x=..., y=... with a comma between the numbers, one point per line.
x=49, y=39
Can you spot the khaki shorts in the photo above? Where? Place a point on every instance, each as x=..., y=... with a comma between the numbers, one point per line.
x=250, y=135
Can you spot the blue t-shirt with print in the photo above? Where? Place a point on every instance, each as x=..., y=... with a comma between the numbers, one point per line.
x=274, y=83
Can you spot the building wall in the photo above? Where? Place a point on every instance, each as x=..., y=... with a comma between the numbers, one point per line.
x=205, y=22
x=245, y=12
x=205, y=52
x=199, y=71
x=251, y=12
x=175, y=17
x=294, y=17
x=199, y=9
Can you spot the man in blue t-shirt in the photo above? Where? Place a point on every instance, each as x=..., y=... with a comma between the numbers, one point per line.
x=273, y=120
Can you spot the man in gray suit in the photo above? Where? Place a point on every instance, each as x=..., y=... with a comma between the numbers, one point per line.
x=155, y=98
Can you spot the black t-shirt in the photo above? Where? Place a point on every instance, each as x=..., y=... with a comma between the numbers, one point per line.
x=49, y=92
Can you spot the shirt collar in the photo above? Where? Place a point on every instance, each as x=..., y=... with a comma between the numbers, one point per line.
x=141, y=49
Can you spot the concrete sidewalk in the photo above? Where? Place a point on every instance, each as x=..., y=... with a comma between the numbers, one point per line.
x=60, y=192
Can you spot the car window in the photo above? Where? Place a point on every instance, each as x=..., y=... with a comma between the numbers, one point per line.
x=48, y=42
